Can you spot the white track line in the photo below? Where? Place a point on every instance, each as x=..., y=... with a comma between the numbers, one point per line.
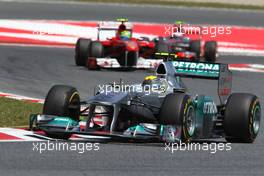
x=19, y=133
x=20, y=97
x=64, y=33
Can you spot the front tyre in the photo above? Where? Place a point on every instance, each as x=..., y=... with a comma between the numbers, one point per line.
x=242, y=118
x=178, y=110
x=128, y=60
x=64, y=101
x=132, y=58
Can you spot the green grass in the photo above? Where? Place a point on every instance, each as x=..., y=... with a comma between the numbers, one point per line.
x=182, y=3
x=15, y=113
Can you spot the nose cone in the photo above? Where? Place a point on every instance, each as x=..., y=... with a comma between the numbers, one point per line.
x=132, y=46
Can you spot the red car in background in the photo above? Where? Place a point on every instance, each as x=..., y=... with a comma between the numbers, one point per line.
x=115, y=48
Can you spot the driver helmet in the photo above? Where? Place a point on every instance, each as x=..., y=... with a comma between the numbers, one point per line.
x=125, y=35
x=121, y=28
x=178, y=28
x=148, y=80
x=154, y=82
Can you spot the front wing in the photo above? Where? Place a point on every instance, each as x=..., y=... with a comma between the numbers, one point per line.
x=141, y=63
x=65, y=125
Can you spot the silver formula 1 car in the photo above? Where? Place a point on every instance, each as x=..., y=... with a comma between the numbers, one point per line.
x=160, y=109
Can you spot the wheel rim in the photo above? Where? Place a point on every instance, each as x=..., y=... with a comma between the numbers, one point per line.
x=190, y=120
x=75, y=101
x=256, y=119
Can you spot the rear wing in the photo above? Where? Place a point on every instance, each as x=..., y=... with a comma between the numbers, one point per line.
x=197, y=69
x=108, y=29
x=111, y=25
x=202, y=70
x=192, y=30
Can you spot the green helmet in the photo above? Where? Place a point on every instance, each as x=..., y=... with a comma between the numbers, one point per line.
x=179, y=22
x=125, y=34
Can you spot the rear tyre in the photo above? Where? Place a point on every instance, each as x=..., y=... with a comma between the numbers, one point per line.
x=242, y=118
x=82, y=48
x=62, y=100
x=210, y=51
x=96, y=49
x=195, y=46
x=178, y=109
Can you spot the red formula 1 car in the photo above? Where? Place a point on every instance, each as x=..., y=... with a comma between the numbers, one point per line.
x=186, y=42
x=115, y=48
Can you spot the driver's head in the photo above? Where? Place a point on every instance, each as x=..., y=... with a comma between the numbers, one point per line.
x=178, y=27
x=125, y=35
x=154, y=83
x=148, y=80
x=121, y=27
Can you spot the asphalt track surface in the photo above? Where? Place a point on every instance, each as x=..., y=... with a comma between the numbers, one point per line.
x=95, y=11
x=32, y=71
